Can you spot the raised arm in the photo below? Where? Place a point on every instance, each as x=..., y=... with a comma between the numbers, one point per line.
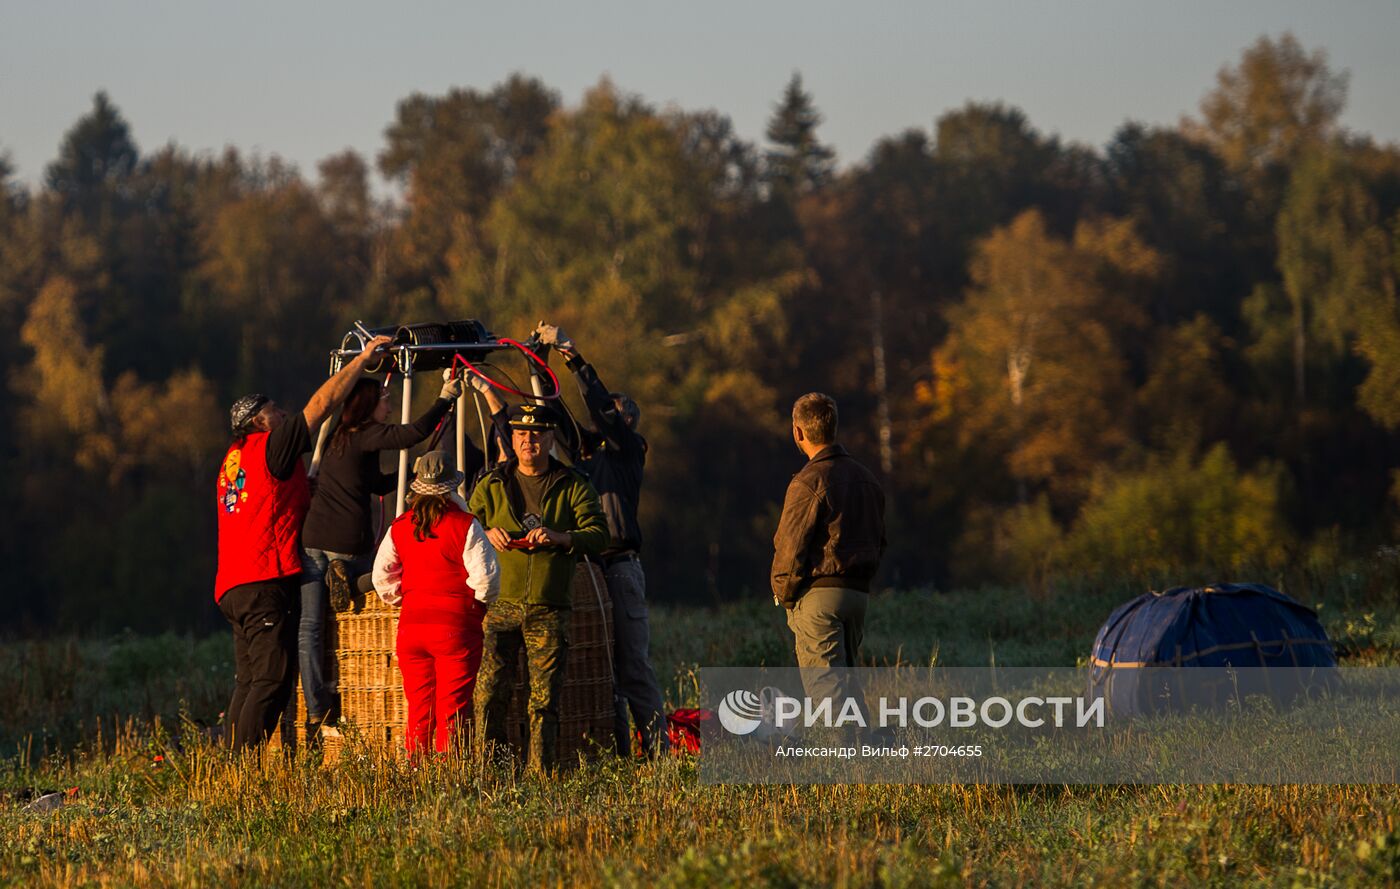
x=335, y=390
x=499, y=430
x=606, y=418
x=395, y=436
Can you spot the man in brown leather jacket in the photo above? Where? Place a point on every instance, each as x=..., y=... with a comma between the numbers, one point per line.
x=828, y=546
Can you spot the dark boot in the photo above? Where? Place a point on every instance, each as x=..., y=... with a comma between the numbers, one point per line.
x=339, y=587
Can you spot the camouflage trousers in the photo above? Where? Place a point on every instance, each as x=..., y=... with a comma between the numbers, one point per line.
x=544, y=633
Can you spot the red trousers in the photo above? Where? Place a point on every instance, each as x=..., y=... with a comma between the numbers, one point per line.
x=439, y=665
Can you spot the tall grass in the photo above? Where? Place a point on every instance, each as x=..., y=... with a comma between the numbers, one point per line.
x=151, y=801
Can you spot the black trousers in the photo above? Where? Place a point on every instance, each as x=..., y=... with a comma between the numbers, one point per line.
x=264, y=620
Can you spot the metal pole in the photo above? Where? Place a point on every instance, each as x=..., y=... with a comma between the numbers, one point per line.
x=486, y=437
x=537, y=387
x=406, y=368
x=462, y=441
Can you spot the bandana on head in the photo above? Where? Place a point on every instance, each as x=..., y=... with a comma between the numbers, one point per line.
x=245, y=409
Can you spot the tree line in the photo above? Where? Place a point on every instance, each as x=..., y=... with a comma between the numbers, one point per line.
x=1173, y=358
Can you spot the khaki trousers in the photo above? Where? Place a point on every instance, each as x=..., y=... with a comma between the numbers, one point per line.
x=827, y=624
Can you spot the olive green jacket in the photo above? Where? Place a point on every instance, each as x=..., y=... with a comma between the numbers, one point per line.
x=545, y=575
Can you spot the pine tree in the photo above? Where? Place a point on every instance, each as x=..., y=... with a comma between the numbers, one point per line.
x=797, y=163
x=96, y=157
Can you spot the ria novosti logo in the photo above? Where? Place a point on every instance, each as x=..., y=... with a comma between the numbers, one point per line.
x=743, y=712
x=740, y=712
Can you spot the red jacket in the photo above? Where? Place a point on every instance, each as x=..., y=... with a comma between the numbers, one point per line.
x=260, y=517
x=445, y=579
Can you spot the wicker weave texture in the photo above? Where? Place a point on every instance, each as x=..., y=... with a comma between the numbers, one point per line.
x=371, y=686
x=361, y=659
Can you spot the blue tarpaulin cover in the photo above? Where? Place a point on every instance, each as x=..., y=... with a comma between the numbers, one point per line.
x=1223, y=625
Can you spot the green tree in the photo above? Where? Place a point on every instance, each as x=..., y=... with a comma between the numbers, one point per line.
x=454, y=154
x=1186, y=401
x=995, y=166
x=797, y=163
x=1327, y=236
x=1264, y=115
x=274, y=285
x=1379, y=340
x=1303, y=331
x=1185, y=204
x=92, y=202
x=1181, y=521
x=900, y=242
x=344, y=193
x=605, y=224
x=628, y=229
x=95, y=160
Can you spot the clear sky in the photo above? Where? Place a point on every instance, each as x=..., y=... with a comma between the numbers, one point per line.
x=303, y=80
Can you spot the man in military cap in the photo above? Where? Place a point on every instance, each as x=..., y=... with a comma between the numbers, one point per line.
x=540, y=515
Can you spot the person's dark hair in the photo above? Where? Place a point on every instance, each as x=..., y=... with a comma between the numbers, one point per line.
x=357, y=413
x=428, y=510
x=815, y=414
x=631, y=413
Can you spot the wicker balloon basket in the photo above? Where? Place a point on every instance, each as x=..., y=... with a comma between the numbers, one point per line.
x=361, y=661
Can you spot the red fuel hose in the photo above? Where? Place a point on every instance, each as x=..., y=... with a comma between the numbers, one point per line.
x=554, y=380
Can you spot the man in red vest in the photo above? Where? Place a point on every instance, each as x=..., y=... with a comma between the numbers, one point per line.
x=263, y=496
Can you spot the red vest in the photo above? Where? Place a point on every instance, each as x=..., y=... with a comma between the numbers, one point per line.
x=434, y=582
x=260, y=517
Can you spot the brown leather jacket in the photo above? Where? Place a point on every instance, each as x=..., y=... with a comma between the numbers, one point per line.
x=832, y=532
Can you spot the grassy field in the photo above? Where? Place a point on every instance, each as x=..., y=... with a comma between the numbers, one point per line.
x=117, y=724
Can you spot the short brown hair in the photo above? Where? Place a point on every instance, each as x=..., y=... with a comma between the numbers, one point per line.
x=815, y=414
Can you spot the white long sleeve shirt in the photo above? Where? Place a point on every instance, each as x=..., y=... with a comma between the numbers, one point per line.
x=478, y=557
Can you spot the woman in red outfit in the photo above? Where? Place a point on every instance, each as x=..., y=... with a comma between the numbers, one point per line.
x=436, y=564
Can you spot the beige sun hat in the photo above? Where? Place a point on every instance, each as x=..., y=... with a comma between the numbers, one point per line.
x=434, y=473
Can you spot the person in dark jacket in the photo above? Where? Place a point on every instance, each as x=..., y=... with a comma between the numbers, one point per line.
x=827, y=549
x=337, y=539
x=614, y=455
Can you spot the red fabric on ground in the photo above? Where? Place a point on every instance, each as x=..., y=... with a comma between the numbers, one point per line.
x=689, y=728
